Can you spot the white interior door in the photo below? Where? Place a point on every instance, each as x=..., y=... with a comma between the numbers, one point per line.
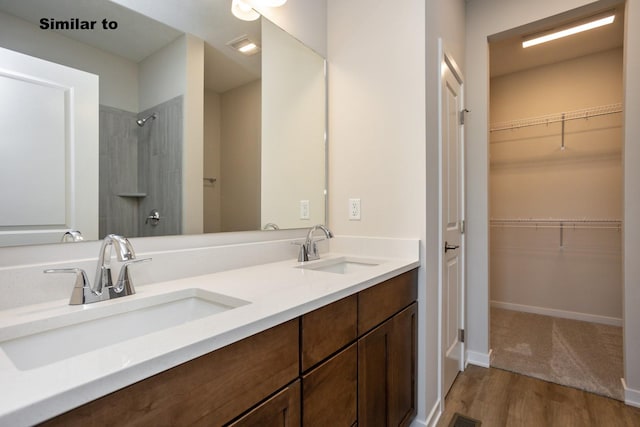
x=48, y=150
x=452, y=216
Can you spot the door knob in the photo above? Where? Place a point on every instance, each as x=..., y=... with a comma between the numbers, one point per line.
x=448, y=247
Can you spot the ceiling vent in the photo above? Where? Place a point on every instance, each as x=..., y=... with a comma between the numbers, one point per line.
x=244, y=45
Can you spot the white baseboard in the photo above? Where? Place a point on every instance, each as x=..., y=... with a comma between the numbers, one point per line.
x=585, y=317
x=432, y=418
x=479, y=359
x=417, y=423
x=631, y=396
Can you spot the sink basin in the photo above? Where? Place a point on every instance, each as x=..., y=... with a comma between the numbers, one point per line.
x=342, y=265
x=76, y=333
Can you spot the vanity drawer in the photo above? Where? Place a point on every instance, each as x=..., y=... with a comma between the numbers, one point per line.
x=380, y=302
x=210, y=390
x=326, y=330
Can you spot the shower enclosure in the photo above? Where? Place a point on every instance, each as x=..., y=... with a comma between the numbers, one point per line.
x=141, y=170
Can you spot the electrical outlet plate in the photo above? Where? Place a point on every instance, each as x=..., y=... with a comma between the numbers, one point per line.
x=354, y=209
x=304, y=209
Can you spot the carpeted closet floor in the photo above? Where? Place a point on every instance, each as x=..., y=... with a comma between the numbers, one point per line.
x=583, y=355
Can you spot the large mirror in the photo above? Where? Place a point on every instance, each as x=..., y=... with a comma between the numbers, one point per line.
x=192, y=135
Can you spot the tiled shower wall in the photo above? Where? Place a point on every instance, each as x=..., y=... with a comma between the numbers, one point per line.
x=141, y=170
x=160, y=168
x=118, y=172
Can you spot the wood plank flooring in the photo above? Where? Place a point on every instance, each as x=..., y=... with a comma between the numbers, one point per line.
x=502, y=398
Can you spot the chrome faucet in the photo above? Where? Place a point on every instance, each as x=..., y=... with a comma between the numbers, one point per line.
x=72, y=236
x=124, y=253
x=309, y=249
x=103, y=288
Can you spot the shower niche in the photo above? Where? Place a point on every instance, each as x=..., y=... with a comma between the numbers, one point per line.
x=141, y=170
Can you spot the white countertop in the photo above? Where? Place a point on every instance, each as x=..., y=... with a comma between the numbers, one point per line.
x=276, y=292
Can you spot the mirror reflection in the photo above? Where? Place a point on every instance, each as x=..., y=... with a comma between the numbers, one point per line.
x=191, y=135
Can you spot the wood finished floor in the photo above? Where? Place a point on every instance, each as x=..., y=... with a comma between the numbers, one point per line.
x=502, y=398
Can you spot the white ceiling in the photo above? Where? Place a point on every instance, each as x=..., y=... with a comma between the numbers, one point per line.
x=146, y=26
x=508, y=56
x=212, y=21
x=139, y=35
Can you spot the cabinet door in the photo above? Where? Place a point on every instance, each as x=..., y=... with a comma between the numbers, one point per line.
x=329, y=392
x=386, y=372
x=282, y=410
x=402, y=405
x=373, y=371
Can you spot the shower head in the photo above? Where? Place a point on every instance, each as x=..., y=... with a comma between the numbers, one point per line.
x=141, y=122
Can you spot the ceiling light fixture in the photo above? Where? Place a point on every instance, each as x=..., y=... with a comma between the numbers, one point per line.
x=274, y=3
x=243, y=10
x=599, y=22
x=244, y=45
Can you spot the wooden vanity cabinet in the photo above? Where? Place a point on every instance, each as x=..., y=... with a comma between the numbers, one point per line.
x=330, y=390
x=351, y=362
x=387, y=353
x=372, y=381
x=210, y=390
x=387, y=372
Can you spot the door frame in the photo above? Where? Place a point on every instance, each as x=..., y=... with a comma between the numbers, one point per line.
x=445, y=59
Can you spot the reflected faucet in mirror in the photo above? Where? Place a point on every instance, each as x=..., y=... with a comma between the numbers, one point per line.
x=72, y=236
x=103, y=288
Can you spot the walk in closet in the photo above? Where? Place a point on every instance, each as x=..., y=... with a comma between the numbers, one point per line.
x=556, y=211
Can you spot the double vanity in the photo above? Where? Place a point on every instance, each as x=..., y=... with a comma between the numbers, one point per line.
x=314, y=342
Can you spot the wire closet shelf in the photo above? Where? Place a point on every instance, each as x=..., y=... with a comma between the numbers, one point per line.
x=584, y=113
x=561, y=223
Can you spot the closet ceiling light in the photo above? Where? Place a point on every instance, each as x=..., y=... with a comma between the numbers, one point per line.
x=244, y=11
x=599, y=22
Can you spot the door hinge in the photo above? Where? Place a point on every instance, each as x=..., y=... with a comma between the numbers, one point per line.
x=462, y=226
x=461, y=335
x=462, y=115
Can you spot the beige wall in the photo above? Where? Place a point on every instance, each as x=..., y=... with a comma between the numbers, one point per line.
x=240, y=158
x=211, y=191
x=376, y=116
x=306, y=20
x=531, y=177
x=192, y=162
x=118, y=76
x=631, y=245
x=178, y=69
x=380, y=150
x=293, y=130
x=161, y=74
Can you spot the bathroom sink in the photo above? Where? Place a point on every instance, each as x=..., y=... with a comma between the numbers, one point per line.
x=72, y=334
x=342, y=265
